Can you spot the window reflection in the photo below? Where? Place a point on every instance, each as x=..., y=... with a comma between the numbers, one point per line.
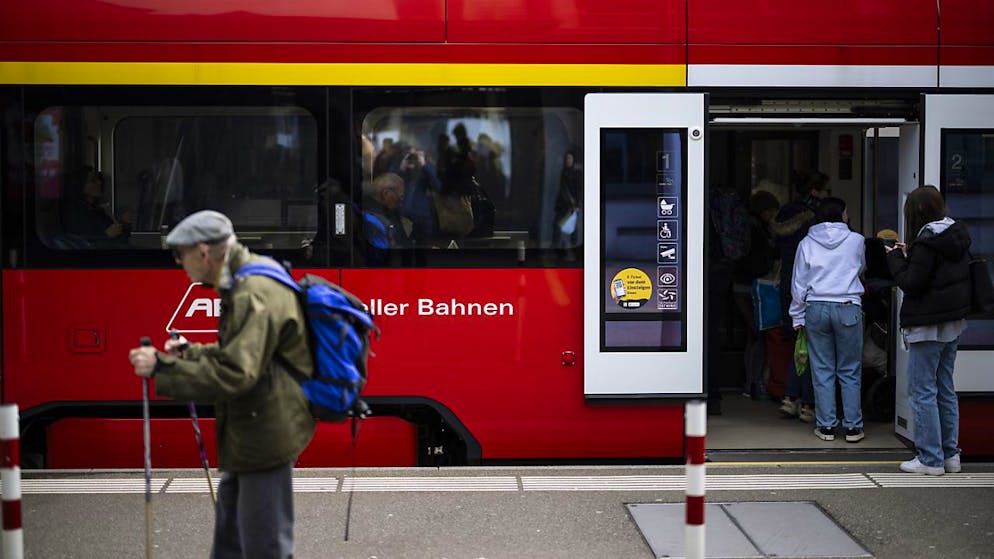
x=472, y=178
x=119, y=177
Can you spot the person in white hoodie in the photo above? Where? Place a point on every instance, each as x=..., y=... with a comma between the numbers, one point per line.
x=826, y=292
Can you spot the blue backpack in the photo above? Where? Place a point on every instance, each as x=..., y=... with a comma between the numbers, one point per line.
x=339, y=328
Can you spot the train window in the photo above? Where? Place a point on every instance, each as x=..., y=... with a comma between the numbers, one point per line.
x=968, y=184
x=119, y=177
x=474, y=178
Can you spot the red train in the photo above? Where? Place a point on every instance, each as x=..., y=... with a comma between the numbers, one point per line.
x=120, y=117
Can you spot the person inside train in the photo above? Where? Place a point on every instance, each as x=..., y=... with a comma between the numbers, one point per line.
x=933, y=271
x=789, y=227
x=462, y=207
x=383, y=226
x=384, y=161
x=421, y=184
x=730, y=238
x=489, y=168
x=569, y=202
x=826, y=298
x=87, y=219
x=443, y=151
x=879, y=285
x=719, y=280
x=464, y=146
x=766, y=184
x=757, y=263
x=878, y=279
x=566, y=228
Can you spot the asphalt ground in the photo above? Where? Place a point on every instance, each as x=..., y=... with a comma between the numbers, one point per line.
x=507, y=512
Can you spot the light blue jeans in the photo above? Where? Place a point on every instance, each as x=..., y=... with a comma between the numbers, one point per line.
x=835, y=351
x=933, y=400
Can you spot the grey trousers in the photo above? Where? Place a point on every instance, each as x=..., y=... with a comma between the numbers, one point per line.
x=254, y=515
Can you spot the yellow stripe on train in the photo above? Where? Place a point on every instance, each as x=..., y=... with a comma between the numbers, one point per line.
x=245, y=73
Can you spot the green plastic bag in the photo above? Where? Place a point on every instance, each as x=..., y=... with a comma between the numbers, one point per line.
x=801, y=353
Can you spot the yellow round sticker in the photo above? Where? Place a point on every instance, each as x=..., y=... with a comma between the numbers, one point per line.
x=631, y=288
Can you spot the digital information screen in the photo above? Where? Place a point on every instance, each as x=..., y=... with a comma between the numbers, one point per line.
x=643, y=239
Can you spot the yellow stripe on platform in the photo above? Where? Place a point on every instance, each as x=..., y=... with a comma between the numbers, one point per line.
x=252, y=73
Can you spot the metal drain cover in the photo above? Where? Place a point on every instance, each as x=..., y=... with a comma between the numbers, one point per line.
x=748, y=530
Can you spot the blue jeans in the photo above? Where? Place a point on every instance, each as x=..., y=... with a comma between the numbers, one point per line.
x=933, y=400
x=835, y=351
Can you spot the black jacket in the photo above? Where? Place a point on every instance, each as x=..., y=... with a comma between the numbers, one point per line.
x=935, y=277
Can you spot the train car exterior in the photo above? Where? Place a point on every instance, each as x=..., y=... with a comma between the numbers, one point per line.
x=282, y=114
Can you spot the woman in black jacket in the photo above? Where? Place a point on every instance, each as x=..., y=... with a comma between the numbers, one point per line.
x=933, y=272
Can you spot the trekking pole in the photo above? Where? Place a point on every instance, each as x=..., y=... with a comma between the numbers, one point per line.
x=359, y=412
x=348, y=507
x=174, y=334
x=203, y=454
x=145, y=341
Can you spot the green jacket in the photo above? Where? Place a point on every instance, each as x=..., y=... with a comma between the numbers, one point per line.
x=263, y=418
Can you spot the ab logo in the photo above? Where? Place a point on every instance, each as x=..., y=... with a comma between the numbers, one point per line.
x=197, y=311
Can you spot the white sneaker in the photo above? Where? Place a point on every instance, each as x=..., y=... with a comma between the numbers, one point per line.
x=914, y=466
x=953, y=465
x=806, y=414
x=790, y=407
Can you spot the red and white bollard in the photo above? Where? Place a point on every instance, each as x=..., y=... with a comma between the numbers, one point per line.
x=696, y=429
x=10, y=477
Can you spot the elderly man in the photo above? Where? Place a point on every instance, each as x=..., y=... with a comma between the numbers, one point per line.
x=383, y=226
x=251, y=375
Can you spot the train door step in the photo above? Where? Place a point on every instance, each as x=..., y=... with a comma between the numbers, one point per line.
x=748, y=530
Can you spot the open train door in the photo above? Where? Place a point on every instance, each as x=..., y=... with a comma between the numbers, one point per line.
x=643, y=243
x=953, y=148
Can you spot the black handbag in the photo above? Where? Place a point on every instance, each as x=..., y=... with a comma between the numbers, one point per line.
x=981, y=289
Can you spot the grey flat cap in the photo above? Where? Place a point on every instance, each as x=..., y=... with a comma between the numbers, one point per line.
x=205, y=226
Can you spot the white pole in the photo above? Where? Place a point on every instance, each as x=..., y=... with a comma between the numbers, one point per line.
x=696, y=429
x=10, y=478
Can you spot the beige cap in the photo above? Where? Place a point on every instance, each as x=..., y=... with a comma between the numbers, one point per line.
x=887, y=234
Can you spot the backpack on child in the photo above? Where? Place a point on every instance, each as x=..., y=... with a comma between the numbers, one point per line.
x=339, y=328
x=731, y=222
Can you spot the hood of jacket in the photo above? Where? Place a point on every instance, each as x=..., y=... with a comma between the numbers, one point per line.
x=947, y=237
x=829, y=234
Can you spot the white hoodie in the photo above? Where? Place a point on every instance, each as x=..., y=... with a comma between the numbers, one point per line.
x=827, y=267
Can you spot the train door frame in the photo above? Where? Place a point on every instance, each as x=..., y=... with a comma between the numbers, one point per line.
x=909, y=173
x=829, y=129
x=827, y=156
